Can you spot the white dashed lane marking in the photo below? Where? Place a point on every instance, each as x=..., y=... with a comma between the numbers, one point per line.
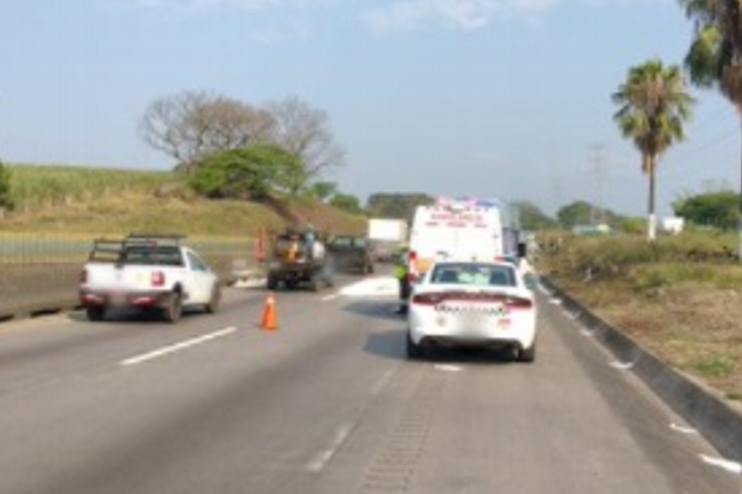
x=616, y=364
x=161, y=352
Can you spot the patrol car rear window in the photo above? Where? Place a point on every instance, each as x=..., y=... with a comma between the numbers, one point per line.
x=473, y=274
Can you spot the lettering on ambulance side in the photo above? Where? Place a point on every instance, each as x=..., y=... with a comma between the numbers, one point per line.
x=464, y=217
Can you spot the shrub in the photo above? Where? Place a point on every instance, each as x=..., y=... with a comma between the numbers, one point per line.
x=6, y=202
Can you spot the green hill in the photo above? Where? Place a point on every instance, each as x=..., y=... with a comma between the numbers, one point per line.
x=72, y=199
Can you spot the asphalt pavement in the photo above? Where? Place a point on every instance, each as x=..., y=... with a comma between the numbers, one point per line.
x=326, y=404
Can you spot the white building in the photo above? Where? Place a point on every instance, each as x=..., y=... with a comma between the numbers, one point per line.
x=672, y=225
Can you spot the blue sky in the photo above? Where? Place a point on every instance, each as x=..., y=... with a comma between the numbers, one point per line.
x=505, y=98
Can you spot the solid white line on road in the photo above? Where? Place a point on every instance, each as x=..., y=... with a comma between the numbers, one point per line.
x=325, y=456
x=327, y=298
x=555, y=301
x=161, y=352
x=729, y=466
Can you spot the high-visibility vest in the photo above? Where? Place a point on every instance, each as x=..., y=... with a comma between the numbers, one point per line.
x=293, y=253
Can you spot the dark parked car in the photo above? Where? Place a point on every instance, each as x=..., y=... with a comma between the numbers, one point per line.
x=351, y=253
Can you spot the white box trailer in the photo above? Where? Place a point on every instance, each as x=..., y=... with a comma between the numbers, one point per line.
x=387, y=235
x=387, y=230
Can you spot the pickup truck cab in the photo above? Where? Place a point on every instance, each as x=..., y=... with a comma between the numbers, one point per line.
x=152, y=273
x=351, y=253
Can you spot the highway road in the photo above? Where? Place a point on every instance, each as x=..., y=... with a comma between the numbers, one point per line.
x=328, y=404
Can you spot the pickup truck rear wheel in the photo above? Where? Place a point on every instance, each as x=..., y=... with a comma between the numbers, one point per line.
x=413, y=350
x=314, y=281
x=272, y=282
x=216, y=297
x=96, y=313
x=174, y=308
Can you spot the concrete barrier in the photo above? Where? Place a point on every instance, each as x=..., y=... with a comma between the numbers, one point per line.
x=703, y=408
x=32, y=289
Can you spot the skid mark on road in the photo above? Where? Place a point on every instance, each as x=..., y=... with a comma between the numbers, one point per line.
x=393, y=467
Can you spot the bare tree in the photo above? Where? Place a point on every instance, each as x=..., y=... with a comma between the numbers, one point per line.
x=305, y=132
x=191, y=125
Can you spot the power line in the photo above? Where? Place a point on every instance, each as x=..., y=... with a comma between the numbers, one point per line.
x=727, y=111
x=705, y=146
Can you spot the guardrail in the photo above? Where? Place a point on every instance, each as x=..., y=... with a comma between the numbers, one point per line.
x=40, y=273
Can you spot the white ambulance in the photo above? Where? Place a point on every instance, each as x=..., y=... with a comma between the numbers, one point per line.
x=460, y=229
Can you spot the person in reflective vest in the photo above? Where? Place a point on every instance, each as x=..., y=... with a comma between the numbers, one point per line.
x=401, y=273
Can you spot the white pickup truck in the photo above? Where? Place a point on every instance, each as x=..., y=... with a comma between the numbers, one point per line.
x=153, y=273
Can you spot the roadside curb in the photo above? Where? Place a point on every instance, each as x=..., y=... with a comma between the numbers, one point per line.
x=702, y=408
x=31, y=310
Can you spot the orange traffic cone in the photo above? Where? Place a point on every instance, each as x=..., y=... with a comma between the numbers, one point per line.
x=270, y=319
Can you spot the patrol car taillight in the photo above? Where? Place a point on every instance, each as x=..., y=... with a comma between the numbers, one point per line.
x=427, y=298
x=518, y=303
x=158, y=278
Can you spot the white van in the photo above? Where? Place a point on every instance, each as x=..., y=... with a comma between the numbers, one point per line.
x=455, y=230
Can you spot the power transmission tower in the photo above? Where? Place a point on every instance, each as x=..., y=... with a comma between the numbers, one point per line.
x=597, y=212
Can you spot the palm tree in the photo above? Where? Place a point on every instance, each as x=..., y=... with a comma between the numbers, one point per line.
x=715, y=55
x=654, y=103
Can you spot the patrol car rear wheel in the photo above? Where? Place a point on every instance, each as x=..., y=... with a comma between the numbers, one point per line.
x=414, y=351
x=527, y=354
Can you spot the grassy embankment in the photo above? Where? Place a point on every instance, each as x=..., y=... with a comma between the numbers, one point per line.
x=95, y=201
x=682, y=300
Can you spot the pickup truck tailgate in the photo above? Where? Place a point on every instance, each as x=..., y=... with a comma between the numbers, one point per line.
x=113, y=277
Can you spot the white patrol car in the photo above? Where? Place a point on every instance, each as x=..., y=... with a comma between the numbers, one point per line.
x=472, y=304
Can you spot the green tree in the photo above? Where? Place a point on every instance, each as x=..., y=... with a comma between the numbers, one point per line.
x=6, y=202
x=397, y=206
x=718, y=209
x=532, y=217
x=575, y=213
x=631, y=225
x=254, y=172
x=347, y=203
x=323, y=190
x=653, y=104
x=714, y=59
